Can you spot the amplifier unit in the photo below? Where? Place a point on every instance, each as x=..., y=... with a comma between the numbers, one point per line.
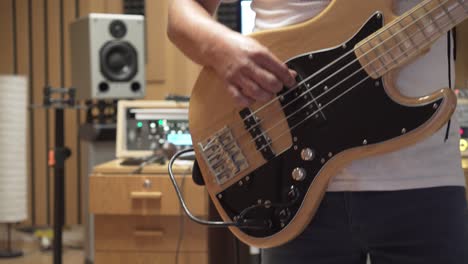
x=144, y=127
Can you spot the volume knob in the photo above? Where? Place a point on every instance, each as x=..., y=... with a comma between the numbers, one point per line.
x=307, y=154
x=299, y=174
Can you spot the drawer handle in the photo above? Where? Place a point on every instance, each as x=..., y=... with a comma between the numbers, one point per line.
x=146, y=195
x=148, y=233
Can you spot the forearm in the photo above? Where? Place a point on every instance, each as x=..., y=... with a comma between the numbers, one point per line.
x=250, y=71
x=193, y=30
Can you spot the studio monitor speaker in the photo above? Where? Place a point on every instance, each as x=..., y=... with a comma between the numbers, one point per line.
x=108, y=56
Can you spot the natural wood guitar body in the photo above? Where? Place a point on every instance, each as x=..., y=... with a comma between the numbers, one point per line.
x=212, y=108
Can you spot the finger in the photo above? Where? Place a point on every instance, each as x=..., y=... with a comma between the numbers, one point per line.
x=251, y=89
x=293, y=73
x=275, y=66
x=238, y=97
x=264, y=79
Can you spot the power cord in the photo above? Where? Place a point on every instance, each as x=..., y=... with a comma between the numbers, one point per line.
x=165, y=152
x=151, y=159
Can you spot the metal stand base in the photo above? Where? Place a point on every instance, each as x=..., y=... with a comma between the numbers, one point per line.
x=8, y=252
x=11, y=254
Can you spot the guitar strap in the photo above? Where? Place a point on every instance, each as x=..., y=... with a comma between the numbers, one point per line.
x=451, y=34
x=197, y=175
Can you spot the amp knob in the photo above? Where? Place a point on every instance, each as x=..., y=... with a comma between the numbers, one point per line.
x=299, y=174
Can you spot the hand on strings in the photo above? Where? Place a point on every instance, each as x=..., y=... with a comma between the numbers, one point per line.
x=250, y=71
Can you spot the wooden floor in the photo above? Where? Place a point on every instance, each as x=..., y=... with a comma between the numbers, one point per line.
x=29, y=245
x=37, y=257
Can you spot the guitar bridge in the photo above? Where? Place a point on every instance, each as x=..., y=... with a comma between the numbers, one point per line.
x=223, y=155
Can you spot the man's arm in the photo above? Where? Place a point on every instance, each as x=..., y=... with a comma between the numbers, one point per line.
x=251, y=72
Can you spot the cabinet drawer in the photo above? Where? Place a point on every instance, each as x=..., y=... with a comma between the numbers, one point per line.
x=143, y=195
x=149, y=258
x=148, y=233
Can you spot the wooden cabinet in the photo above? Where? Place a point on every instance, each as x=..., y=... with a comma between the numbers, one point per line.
x=142, y=195
x=138, y=218
x=149, y=234
x=149, y=258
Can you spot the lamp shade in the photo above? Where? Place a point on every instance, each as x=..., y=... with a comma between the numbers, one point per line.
x=13, y=149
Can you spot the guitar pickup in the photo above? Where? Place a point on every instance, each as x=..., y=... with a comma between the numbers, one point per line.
x=262, y=141
x=303, y=103
x=310, y=105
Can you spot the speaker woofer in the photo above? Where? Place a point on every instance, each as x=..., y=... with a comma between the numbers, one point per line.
x=119, y=61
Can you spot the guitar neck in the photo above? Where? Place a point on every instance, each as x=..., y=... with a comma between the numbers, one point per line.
x=410, y=34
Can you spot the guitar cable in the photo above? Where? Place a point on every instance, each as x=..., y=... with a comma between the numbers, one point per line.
x=239, y=221
x=181, y=198
x=184, y=206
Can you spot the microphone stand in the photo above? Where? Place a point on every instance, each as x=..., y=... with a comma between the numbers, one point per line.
x=57, y=157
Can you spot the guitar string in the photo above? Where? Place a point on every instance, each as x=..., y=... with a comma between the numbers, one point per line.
x=430, y=38
x=346, y=66
x=324, y=106
x=315, y=100
x=332, y=88
x=393, y=23
x=332, y=63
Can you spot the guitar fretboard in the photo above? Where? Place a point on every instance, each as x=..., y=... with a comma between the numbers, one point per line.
x=409, y=35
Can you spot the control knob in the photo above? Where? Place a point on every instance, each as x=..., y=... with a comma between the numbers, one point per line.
x=299, y=174
x=307, y=154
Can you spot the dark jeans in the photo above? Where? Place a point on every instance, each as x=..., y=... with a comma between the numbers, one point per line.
x=427, y=226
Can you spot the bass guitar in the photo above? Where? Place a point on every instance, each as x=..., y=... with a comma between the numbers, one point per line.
x=267, y=167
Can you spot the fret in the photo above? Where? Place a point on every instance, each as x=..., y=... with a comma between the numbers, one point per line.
x=447, y=13
x=368, y=63
x=462, y=3
x=411, y=33
x=408, y=37
x=380, y=58
x=387, y=49
x=364, y=53
x=398, y=41
x=420, y=28
x=377, y=55
x=431, y=20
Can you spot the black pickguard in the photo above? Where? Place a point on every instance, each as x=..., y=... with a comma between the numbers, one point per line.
x=363, y=115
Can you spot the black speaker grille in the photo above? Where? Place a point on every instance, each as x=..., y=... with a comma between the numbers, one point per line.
x=119, y=61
